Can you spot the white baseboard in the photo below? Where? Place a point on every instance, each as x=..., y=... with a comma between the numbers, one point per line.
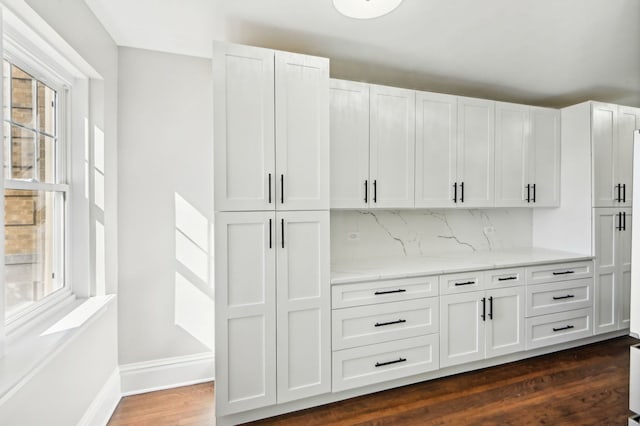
x=166, y=373
x=105, y=402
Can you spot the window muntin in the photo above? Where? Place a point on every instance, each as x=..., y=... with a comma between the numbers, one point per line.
x=35, y=191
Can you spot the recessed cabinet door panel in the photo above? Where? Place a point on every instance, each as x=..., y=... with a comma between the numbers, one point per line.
x=476, y=152
x=304, y=312
x=512, y=134
x=606, y=270
x=624, y=286
x=245, y=311
x=436, y=138
x=627, y=124
x=243, y=127
x=302, y=132
x=505, y=321
x=604, y=135
x=349, y=103
x=544, y=156
x=461, y=328
x=392, y=147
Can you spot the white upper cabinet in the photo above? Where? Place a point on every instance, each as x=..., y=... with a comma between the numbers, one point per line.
x=475, y=183
x=512, y=166
x=269, y=103
x=349, y=105
x=392, y=147
x=302, y=131
x=527, y=156
x=612, y=154
x=243, y=120
x=436, y=144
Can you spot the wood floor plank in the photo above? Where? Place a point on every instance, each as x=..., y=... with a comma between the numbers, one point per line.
x=582, y=386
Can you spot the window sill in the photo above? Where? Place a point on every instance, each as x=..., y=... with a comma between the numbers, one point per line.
x=29, y=350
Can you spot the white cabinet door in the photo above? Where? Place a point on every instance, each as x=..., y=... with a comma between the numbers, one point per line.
x=475, y=152
x=603, y=138
x=349, y=105
x=243, y=116
x=245, y=311
x=627, y=124
x=302, y=131
x=606, y=224
x=461, y=328
x=304, y=311
x=544, y=157
x=436, y=138
x=512, y=185
x=624, y=284
x=392, y=147
x=505, y=321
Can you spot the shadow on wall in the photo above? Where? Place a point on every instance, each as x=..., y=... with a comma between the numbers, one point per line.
x=194, y=305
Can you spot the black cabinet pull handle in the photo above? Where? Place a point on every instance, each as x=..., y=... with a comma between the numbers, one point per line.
x=269, y=188
x=507, y=278
x=455, y=192
x=624, y=192
x=568, y=327
x=617, y=188
x=624, y=220
x=462, y=192
x=491, y=307
x=375, y=190
x=270, y=237
x=380, y=364
x=563, y=273
x=366, y=190
x=619, y=221
x=568, y=296
x=281, y=189
x=534, y=193
x=528, y=192
x=484, y=309
x=282, y=231
x=400, y=290
x=465, y=283
x=382, y=324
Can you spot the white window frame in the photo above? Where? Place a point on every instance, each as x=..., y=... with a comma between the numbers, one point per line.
x=21, y=52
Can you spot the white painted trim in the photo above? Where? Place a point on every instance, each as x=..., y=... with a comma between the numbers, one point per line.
x=104, y=404
x=166, y=373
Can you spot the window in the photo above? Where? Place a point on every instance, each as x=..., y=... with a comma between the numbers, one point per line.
x=35, y=190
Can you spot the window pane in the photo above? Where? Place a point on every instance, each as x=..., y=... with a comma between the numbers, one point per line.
x=46, y=160
x=6, y=87
x=20, y=149
x=33, y=236
x=46, y=109
x=22, y=97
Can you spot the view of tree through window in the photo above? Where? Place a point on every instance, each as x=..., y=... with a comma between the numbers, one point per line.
x=34, y=236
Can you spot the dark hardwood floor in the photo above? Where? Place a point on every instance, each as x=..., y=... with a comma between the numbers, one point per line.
x=583, y=386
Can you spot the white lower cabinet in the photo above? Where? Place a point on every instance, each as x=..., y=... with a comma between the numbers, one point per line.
x=545, y=330
x=481, y=324
x=255, y=366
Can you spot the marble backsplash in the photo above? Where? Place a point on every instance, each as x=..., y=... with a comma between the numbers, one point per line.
x=357, y=234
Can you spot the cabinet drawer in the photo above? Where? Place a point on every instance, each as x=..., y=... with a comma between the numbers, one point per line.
x=499, y=278
x=461, y=283
x=366, y=325
x=370, y=292
x=366, y=365
x=558, y=297
x=545, y=330
x=559, y=272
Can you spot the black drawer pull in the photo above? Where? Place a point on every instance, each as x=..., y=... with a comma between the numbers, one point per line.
x=380, y=364
x=465, y=283
x=382, y=324
x=563, y=328
x=568, y=296
x=400, y=290
x=564, y=273
x=507, y=278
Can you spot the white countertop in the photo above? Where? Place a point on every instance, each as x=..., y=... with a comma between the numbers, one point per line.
x=349, y=271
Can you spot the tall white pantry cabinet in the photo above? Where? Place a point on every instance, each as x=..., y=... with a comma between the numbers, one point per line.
x=271, y=171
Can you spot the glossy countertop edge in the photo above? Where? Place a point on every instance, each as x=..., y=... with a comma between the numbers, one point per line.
x=394, y=268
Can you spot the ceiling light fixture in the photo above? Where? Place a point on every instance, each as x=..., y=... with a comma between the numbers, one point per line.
x=365, y=9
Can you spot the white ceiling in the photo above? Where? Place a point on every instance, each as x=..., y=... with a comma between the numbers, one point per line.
x=543, y=52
